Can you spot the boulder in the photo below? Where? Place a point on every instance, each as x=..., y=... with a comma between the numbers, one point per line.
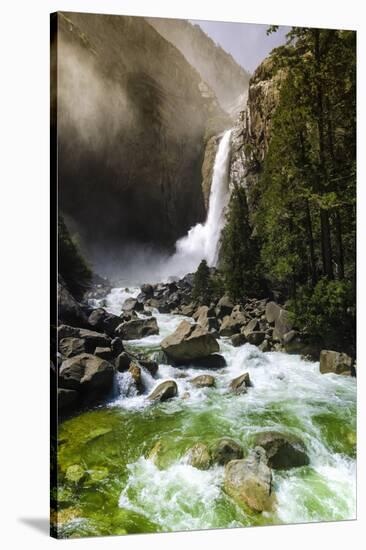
x=201, y=314
x=131, y=304
x=238, y=340
x=203, y=381
x=137, y=328
x=283, y=325
x=102, y=321
x=69, y=310
x=249, y=482
x=188, y=310
x=224, y=450
x=165, y=390
x=213, y=361
x=232, y=324
x=282, y=451
x=272, y=312
x=199, y=456
x=253, y=325
x=91, y=376
x=117, y=346
x=123, y=362
x=68, y=347
x=224, y=306
x=135, y=372
x=67, y=399
x=104, y=353
x=151, y=366
x=189, y=342
x=147, y=290
x=256, y=337
x=336, y=362
x=240, y=384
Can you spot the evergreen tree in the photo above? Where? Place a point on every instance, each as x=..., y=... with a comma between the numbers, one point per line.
x=202, y=284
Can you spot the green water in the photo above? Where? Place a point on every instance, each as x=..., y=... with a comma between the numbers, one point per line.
x=107, y=487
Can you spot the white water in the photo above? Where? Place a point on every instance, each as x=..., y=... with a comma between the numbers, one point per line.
x=202, y=240
x=288, y=394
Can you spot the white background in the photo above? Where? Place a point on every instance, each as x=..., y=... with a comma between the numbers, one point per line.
x=24, y=257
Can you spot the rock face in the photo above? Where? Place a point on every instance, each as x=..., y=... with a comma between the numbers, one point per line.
x=87, y=374
x=283, y=451
x=337, y=363
x=165, y=390
x=138, y=328
x=224, y=450
x=189, y=342
x=221, y=72
x=249, y=482
x=69, y=310
x=123, y=90
x=199, y=457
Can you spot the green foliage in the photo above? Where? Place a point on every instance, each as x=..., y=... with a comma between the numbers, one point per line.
x=202, y=289
x=239, y=251
x=72, y=265
x=327, y=310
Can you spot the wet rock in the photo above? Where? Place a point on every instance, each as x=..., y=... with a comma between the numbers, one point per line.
x=249, y=482
x=337, y=363
x=188, y=342
x=135, y=372
x=102, y=321
x=224, y=450
x=67, y=399
x=131, y=304
x=123, y=362
x=256, y=337
x=165, y=390
x=117, y=346
x=147, y=290
x=91, y=376
x=203, y=381
x=282, y=451
x=151, y=366
x=240, y=384
x=199, y=457
x=137, y=328
x=238, y=340
x=213, y=361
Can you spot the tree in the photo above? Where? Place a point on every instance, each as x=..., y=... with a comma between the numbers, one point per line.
x=239, y=253
x=202, y=284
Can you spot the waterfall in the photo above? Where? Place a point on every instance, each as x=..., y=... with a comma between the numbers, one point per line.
x=202, y=240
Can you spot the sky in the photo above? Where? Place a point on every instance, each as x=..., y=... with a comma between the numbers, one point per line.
x=247, y=42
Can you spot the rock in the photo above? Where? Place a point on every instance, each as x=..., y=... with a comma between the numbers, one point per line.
x=138, y=328
x=117, y=346
x=232, y=324
x=199, y=456
x=188, y=342
x=91, y=376
x=188, y=310
x=283, y=325
x=282, y=451
x=104, y=353
x=103, y=321
x=213, y=361
x=337, y=363
x=69, y=347
x=69, y=310
x=148, y=290
x=253, y=325
x=75, y=473
x=155, y=453
x=256, y=337
x=123, y=362
x=224, y=307
x=224, y=450
x=249, y=481
x=131, y=304
x=165, y=390
x=151, y=366
x=91, y=338
x=272, y=312
x=203, y=381
x=201, y=314
x=240, y=384
x=265, y=346
x=238, y=340
x=135, y=372
x=289, y=336
x=67, y=399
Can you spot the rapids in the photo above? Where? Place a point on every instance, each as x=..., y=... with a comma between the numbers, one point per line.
x=124, y=492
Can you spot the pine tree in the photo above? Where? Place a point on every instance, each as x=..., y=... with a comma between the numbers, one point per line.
x=201, y=283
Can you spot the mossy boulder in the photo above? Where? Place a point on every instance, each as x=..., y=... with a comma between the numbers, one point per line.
x=224, y=450
x=283, y=451
x=199, y=456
